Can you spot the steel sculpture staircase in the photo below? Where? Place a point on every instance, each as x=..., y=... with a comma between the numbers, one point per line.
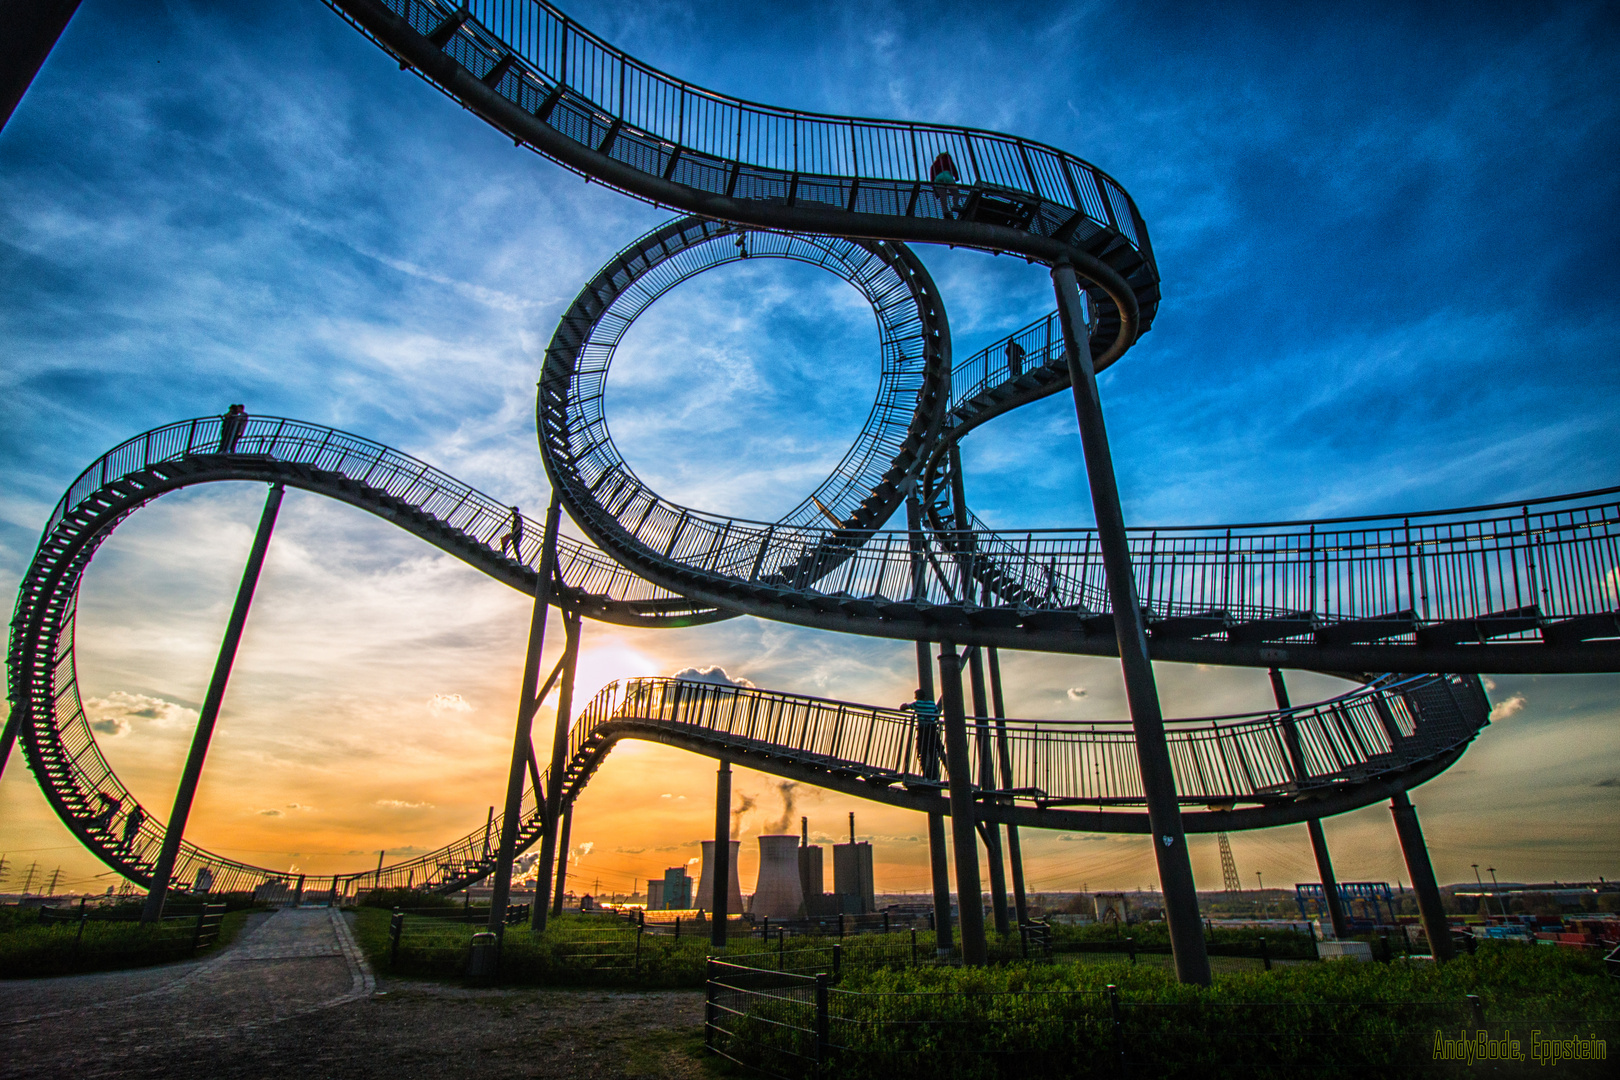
x=1512, y=587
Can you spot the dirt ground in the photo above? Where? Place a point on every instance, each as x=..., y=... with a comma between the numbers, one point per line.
x=291, y=993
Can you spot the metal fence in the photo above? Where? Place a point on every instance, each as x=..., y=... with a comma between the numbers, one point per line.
x=83, y=937
x=792, y=1025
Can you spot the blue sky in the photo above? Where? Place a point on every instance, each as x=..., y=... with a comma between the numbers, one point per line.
x=1389, y=247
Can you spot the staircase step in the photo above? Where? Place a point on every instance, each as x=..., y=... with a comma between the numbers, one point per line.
x=1189, y=626
x=1295, y=624
x=1582, y=628
x=1356, y=631
x=1480, y=629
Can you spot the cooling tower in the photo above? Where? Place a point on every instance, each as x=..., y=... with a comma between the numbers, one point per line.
x=777, y=894
x=705, y=890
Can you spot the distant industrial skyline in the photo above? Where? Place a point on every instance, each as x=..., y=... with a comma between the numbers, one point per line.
x=1386, y=246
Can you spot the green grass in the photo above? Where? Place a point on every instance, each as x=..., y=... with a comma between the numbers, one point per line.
x=438, y=948
x=31, y=950
x=1038, y=1020
x=593, y=950
x=1034, y=1019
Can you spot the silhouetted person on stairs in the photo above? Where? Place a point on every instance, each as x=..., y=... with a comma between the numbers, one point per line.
x=230, y=428
x=1015, y=359
x=514, y=536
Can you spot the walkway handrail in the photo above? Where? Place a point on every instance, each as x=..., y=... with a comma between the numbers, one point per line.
x=556, y=62
x=479, y=517
x=1391, y=725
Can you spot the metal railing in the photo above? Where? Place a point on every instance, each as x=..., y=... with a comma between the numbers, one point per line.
x=479, y=518
x=1011, y=358
x=549, y=66
x=1389, y=726
x=1559, y=556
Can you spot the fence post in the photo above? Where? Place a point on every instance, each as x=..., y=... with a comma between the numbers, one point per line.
x=708, y=999
x=639, y=928
x=781, y=948
x=1477, y=1007
x=396, y=930
x=1130, y=943
x=196, y=931
x=913, y=946
x=1265, y=956
x=83, y=915
x=838, y=962
x=677, y=927
x=885, y=922
x=821, y=1019
x=1119, y=1030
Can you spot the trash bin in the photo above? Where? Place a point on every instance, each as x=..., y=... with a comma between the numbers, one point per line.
x=484, y=959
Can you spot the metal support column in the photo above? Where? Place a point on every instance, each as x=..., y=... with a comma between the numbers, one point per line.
x=209, y=713
x=1324, y=862
x=8, y=736
x=528, y=701
x=559, y=766
x=981, y=706
x=29, y=30
x=964, y=842
x=562, y=859
x=720, y=871
x=987, y=782
x=1015, y=851
x=1141, y=691
x=928, y=744
x=1418, y=867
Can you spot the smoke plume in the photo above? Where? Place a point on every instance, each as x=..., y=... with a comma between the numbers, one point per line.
x=784, y=823
x=739, y=810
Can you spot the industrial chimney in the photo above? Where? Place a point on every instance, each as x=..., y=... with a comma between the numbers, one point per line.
x=778, y=893
x=852, y=874
x=705, y=890
x=811, y=877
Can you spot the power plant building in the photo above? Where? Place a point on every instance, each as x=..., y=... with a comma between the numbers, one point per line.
x=677, y=889
x=812, y=877
x=852, y=877
x=655, y=895
x=778, y=893
x=705, y=889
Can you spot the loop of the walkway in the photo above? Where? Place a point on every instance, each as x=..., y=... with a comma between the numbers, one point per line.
x=611, y=503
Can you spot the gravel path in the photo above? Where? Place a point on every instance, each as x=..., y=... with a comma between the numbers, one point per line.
x=294, y=991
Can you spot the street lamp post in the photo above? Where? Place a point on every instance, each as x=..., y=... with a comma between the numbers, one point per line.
x=1496, y=890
